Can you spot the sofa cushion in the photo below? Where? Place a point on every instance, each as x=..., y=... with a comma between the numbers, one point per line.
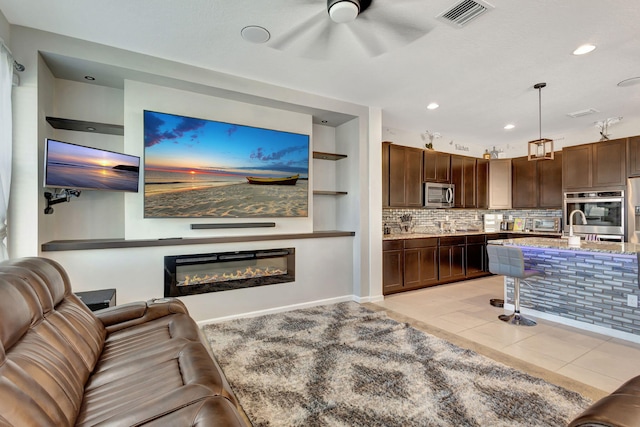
x=176, y=380
x=212, y=411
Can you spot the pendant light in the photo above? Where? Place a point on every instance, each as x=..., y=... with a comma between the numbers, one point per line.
x=542, y=148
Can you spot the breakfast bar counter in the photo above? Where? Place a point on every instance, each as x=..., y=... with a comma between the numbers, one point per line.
x=563, y=244
x=593, y=286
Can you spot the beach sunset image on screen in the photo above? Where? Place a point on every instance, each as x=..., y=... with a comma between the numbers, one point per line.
x=203, y=168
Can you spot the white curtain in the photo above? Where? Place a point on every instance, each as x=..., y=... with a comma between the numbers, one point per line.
x=6, y=76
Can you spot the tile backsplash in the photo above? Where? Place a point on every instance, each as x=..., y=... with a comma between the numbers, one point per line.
x=428, y=220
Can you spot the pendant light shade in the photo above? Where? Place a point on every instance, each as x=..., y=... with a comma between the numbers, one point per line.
x=541, y=148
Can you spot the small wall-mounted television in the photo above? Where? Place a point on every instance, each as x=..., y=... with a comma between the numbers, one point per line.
x=197, y=168
x=75, y=166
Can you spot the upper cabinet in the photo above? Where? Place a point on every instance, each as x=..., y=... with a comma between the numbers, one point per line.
x=595, y=165
x=537, y=184
x=550, y=182
x=524, y=178
x=402, y=168
x=500, y=184
x=633, y=145
x=463, y=176
x=437, y=166
x=482, y=183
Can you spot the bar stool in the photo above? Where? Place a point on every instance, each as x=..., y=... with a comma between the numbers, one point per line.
x=509, y=261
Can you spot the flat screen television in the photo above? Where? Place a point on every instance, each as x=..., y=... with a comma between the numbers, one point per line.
x=204, y=168
x=75, y=166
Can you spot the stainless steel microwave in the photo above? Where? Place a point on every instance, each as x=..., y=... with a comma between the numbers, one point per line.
x=438, y=195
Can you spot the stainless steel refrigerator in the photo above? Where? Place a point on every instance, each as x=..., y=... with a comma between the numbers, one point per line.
x=633, y=210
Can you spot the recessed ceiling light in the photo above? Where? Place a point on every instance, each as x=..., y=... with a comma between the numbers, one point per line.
x=509, y=126
x=255, y=34
x=584, y=49
x=629, y=82
x=432, y=106
x=90, y=128
x=90, y=78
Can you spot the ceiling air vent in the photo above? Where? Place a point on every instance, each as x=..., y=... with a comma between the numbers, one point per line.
x=463, y=12
x=581, y=113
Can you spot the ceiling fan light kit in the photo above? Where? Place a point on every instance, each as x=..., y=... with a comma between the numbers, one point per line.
x=541, y=148
x=342, y=11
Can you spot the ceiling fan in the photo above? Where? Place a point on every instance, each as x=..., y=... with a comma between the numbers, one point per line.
x=344, y=26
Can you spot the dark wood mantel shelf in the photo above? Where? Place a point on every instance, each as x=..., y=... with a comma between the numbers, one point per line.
x=83, y=245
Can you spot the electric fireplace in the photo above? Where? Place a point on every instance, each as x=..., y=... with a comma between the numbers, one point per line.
x=214, y=272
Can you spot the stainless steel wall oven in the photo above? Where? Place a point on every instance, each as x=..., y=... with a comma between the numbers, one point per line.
x=604, y=212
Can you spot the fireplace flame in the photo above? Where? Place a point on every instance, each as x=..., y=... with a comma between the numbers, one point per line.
x=247, y=273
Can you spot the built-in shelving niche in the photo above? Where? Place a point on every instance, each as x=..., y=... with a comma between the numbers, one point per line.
x=333, y=157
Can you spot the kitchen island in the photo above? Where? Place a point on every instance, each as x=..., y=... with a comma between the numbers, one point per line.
x=593, y=286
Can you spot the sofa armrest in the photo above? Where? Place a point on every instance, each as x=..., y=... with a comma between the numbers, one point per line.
x=135, y=313
x=621, y=408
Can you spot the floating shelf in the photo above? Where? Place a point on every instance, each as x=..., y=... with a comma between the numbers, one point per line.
x=328, y=156
x=84, y=126
x=329, y=193
x=82, y=245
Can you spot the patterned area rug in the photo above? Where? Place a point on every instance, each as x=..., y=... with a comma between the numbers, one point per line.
x=344, y=365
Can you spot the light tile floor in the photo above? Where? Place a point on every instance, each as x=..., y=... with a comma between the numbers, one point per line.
x=463, y=309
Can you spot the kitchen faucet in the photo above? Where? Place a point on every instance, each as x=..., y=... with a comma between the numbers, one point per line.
x=575, y=240
x=584, y=220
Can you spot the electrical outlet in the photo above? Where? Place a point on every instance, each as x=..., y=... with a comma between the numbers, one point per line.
x=632, y=300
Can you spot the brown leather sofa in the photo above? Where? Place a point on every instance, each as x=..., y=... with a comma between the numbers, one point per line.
x=619, y=409
x=135, y=364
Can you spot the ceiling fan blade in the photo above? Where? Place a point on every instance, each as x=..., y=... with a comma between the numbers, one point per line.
x=392, y=29
x=368, y=40
x=291, y=36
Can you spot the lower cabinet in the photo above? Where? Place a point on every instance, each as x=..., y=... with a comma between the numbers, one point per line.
x=418, y=263
x=392, y=266
x=451, y=259
x=476, y=256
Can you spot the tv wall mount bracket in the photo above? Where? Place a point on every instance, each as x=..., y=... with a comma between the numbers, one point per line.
x=59, y=196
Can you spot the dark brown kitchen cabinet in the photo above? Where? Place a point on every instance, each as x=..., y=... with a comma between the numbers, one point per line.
x=451, y=259
x=463, y=176
x=405, y=176
x=420, y=263
x=482, y=183
x=596, y=165
x=476, y=256
x=550, y=182
x=609, y=161
x=524, y=178
x=633, y=156
x=437, y=166
x=392, y=266
x=536, y=183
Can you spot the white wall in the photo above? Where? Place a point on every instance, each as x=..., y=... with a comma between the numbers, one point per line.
x=584, y=133
x=136, y=273
x=323, y=272
x=141, y=96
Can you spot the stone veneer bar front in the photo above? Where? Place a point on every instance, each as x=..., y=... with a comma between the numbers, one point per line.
x=589, y=284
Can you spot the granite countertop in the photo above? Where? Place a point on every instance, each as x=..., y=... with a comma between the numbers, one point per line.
x=404, y=236
x=563, y=244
